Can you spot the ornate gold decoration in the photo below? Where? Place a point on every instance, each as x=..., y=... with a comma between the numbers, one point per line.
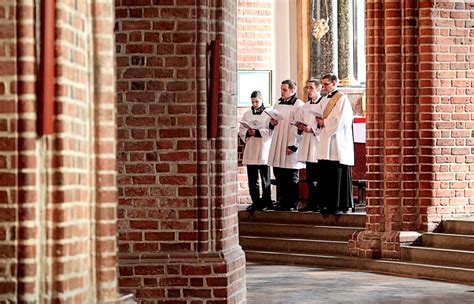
x=320, y=28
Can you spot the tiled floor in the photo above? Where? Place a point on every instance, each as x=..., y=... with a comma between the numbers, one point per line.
x=300, y=285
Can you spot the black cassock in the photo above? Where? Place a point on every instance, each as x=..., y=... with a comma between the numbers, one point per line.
x=335, y=187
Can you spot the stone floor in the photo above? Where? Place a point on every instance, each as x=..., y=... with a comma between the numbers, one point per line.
x=299, y=285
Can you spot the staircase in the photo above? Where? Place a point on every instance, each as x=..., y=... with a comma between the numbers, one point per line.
x=447, y=253
x=313, y=239
x=297, y=238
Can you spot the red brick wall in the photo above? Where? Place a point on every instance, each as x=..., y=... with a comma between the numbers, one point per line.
x=254, y=34
x=446, y=107
x=254, y=51
x=60, y=188
x=177, y=189
x=419, y=87
x=8, y=154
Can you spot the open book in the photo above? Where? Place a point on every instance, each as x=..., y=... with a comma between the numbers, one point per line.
x=250, y=124
x=315, y=113
x=273, y=113
x=297, y=121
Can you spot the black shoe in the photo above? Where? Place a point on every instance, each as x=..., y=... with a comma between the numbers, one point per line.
x=326, y=211
x=282, y=208
x=306, y=209
x=252, y=208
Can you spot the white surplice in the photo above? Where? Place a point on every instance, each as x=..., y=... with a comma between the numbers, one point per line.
x=256, y=148
x=308, y=148
x=284, y=136
x=336, y=141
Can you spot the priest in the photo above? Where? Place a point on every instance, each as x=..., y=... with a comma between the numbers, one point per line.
x=336, y=149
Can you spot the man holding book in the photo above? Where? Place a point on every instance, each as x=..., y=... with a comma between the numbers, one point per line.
x=255, y=132
x=307, y=151
x=336, y=149
x=283, y=156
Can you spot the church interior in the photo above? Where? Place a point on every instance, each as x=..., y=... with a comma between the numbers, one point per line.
x=121, y=176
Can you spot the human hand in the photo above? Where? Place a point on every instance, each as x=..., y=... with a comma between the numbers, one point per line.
x=320, y=121
x=301, y=126
x=251, y=132
x=274, y=122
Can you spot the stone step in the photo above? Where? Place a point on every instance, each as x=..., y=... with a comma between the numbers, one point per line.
x=303, y=218
x=296, y=231
x=448, y=241
x=437, y=256
x=275, y=244
x=414, y=270
x=426, y=271
x=457, y=227
x=298, y=259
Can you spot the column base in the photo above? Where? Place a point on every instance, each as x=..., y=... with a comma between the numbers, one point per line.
x=218, y=276
x=376, y=245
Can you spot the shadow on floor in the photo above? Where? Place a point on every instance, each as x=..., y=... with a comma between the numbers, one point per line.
x=299, y=285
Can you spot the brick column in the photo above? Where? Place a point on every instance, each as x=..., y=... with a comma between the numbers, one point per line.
x=446, y=102
x=392, y=138
x=9, y=185
x=418, y=139
x=177, y=189
x=58, y=195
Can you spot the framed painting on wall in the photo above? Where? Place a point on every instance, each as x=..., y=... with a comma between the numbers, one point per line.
x=253, y=80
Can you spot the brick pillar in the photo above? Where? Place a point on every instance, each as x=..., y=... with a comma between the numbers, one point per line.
x=446, y=107
x=418, y=141
x=9, y=107
x=392, y=134
x=58, y=195
x=177, y=189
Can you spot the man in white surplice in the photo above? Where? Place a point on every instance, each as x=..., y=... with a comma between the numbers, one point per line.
x=336, y=149
x=307, y=151
x=283, y=156
x=257, y=137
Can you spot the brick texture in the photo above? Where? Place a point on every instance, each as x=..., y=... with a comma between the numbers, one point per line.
x=58, y=192
x=8, y=154
x=446, y=122
x=177, y=221
x=392, y=140
x=419, y=141
x=254, y=34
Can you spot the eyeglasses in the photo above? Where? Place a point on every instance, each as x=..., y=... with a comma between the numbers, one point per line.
x=325, y=83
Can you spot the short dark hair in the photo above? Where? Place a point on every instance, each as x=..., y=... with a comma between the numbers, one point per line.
x=291, y=84
x=256, y=94
x=330, y=76
x=316, y=82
